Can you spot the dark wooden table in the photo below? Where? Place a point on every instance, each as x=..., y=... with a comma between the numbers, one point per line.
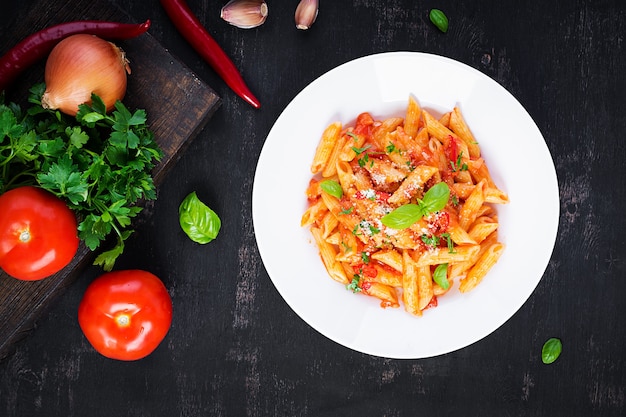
x=236, y=348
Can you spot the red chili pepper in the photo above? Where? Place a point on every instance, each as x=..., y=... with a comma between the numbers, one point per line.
x=39, y=44
x=192, y=30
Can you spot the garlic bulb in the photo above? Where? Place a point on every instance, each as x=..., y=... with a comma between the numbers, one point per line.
x=80, y=65
x=245, y=14
x=306, y=13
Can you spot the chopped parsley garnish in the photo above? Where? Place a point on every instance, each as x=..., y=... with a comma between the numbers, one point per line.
x=434, y=241
x=365, y=257
x=391, y=148
x=365, y=160
x=359, y=151
x=459, y=165
x=366, y=228
x=449, y=242
x=430, y=240
x=354, y=284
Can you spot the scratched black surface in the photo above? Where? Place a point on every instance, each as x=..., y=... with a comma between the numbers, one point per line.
x=236, y=349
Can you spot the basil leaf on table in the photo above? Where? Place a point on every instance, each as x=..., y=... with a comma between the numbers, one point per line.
x=197, y=220
x=551, y=350
x=439, y=19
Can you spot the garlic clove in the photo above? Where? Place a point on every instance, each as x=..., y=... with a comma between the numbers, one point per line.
x=306, y=13
x=245, y=14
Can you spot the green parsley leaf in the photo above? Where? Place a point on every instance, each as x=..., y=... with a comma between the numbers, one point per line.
x=354, y=284
x=449, y=242
x=63, y=180
x=430, y=240
x=77, y=136
x=365, y=257
x=359, y=151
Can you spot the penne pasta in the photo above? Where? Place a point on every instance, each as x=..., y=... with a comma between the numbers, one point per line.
x=325, y=147
x=413, y=184
x=328, y=253
x=458, y=126
x=482, y=266
x=389, y=257
x=330, y=168
x=410, y=285
x=471, y=209
x=412, y=117
x=386, y=170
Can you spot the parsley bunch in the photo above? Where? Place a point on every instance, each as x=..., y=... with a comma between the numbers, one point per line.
x=100, y=164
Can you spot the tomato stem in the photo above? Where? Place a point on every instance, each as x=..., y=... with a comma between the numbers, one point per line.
x=122, y=320
x=24, y=236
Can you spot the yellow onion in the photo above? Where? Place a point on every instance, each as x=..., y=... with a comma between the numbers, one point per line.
x=80, y=65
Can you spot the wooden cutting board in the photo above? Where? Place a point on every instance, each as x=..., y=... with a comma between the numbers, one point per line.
x=178, y=106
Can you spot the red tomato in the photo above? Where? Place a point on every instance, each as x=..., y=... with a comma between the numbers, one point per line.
x=38, y=235
x=125, y=314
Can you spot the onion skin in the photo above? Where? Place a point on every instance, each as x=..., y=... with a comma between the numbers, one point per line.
x=81, y=65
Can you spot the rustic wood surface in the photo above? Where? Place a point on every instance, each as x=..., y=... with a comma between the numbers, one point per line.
x=179, y=105
x=236, y=349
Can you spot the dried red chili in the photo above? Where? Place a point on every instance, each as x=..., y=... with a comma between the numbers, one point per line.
x=39, y=44
x=199, y=38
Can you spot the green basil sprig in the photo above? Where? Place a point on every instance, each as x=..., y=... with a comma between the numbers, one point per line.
x=551, y=350
x=332, y=187
x=439, y=19
x=404, y=216
x=197, y=220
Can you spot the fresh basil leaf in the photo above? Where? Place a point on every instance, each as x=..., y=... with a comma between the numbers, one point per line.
x=551, y=350
x=439, y=19
x=402, y=217
x=440, y=276
x=332, y=187
x=435, y=198
x=197, y=220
